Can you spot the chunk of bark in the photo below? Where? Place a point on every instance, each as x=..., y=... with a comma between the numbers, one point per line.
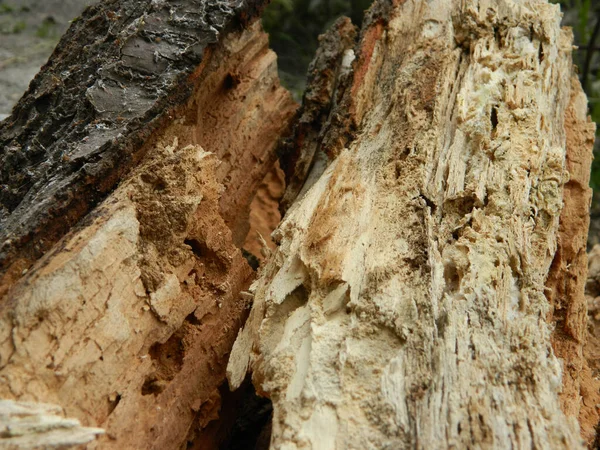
x=326, y=84
x=113, y=80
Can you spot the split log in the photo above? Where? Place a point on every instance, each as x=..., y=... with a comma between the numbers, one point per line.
x=424, y=288
x=128, y=171
x=427, y=287
x=115, y=78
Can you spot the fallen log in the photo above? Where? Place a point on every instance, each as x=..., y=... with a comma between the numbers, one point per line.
x=128, y=173
x=426, y=289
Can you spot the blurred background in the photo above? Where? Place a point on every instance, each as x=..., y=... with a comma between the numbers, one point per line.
x=29, y=30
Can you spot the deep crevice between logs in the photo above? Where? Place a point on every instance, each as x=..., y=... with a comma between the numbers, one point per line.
x=204, y=238
x=244, y=422
x=251, y=413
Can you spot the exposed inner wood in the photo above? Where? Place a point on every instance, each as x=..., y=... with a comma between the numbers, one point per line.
x=264, y=213
x=25, y=425
x=112, y=81
x=424, y=289
x=406, y=305
x=568, y=274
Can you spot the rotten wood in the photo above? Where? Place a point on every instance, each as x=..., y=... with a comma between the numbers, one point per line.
x=426, y=290
x=114, y=79
x=26, y=425
x=406, y=305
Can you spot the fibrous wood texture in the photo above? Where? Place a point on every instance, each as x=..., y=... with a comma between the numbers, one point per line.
x=127, y=321
x=26, y=425
x=407, y=305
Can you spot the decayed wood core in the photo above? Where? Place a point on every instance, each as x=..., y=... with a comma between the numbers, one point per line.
x=566, y=281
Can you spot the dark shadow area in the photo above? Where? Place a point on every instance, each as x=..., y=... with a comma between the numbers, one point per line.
x=252, y=426
x=244, y=422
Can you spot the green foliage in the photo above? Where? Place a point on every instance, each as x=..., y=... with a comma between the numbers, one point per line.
x=47, y=29
x=19, y=26
x=584, y=19
x=5, y=8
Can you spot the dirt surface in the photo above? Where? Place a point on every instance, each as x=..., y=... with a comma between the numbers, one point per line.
x=29, y=31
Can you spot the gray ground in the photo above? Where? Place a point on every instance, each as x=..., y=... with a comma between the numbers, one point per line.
x=29, y=30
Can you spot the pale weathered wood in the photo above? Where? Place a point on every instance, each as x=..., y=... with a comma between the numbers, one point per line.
x=406, y=305
x=26, y=425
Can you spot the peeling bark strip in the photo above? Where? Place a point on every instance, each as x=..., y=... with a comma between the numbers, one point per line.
x=327, y=81
x=127, y=322
x=114, y=79
x=406, y=306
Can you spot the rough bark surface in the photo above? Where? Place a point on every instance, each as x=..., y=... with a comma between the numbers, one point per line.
x=406, y=305
x=128, y=320
x=327, y=79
